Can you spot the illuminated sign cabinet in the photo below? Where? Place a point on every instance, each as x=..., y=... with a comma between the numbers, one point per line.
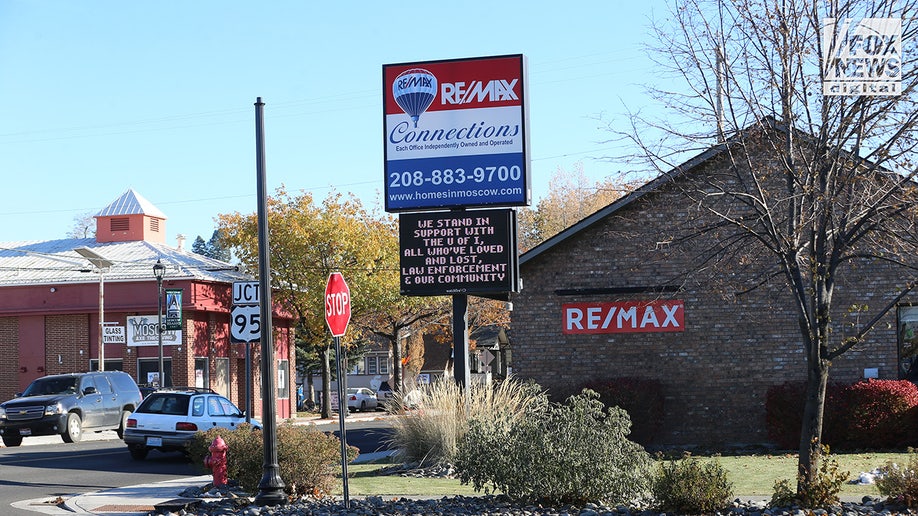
x=455, y=138
x=455, y=134
x=462, y=252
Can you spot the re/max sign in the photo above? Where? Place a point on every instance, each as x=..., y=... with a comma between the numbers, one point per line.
x=624, y=317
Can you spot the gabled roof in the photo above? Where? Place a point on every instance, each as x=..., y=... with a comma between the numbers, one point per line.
x=56, y=262
x=650, y=186
x=621, y=202
x=131, y=203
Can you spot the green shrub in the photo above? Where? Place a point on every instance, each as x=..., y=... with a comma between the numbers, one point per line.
x=688, y=486
x=900, y=484
x=822, y=492
x=429, y=433
x=307, y=458
x=641, y=398
x=575, y=452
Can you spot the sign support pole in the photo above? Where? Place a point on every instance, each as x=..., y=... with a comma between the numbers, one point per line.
x=271, y=487
x=248, y=382
x=342, y=407
x=461, y=340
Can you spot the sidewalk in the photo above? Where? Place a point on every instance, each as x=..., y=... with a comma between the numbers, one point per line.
x=142, y=499
x=139, y=499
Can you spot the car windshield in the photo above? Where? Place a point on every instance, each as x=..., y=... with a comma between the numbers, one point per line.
x=48, y=386
x=171, y=404
x=352, y=391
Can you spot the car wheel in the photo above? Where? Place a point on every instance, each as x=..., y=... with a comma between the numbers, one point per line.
x=138, y=452
x=124, y=417
x=74, y=431
x=12, y=440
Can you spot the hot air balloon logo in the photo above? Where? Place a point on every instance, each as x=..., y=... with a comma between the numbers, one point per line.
x=414, y=90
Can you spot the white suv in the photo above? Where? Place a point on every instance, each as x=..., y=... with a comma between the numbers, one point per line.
x=168, y=419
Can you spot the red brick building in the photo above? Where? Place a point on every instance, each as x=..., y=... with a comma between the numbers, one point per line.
x=715, y=352
x=51, y=299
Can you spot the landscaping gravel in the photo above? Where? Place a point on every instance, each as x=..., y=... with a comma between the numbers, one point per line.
x=230, y=503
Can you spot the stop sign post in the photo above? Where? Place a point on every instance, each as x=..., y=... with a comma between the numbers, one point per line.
x=337, y=304
x=337, y=315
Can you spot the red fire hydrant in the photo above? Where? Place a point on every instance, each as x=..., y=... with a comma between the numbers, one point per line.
x=216, y=461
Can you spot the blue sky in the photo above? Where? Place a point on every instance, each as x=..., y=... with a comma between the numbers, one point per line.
x=102, y=96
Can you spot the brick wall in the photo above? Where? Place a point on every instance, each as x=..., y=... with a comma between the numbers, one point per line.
x=716, y=372
x=9, y=366
x=65, y=337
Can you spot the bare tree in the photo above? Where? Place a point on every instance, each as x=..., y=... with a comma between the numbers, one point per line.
x=571, y=197
x=84, y=226
x=809, y=186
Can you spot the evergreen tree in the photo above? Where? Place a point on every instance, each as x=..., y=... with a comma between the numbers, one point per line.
x=199, y=246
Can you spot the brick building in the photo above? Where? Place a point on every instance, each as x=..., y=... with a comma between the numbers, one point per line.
x=52, y=297
x=715, y=351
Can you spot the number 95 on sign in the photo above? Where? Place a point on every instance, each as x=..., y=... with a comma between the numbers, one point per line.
x=246, y=323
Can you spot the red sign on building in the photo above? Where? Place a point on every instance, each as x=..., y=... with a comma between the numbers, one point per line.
x=667, y=315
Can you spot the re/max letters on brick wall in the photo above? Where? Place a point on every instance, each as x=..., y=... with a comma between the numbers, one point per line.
x=624, y=317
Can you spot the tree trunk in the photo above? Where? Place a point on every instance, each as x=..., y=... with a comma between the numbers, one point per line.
x=397, y=365
x=326, y=385
x=811, y=429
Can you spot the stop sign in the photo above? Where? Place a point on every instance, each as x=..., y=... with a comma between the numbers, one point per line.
x=337, y=304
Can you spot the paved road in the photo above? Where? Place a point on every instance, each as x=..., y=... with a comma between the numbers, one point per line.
x=45, y=468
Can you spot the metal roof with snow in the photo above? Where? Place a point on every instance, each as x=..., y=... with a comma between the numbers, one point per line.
x=131, y=203
x=56, y=262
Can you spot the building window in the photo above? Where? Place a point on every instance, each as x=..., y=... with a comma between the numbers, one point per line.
x=148, y=372
x=377, y=364
x=154, y=225
x=201, y=372
x=111, y=364
x=371, y=366
x=908, y=342
x=283, y=383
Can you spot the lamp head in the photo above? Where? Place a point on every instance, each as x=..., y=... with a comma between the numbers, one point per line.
x=159, y=270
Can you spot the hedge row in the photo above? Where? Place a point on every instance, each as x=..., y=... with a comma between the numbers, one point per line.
x=874, y=414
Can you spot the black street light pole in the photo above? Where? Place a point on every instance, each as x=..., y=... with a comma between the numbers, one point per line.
x=159, y=270
x=271, y=487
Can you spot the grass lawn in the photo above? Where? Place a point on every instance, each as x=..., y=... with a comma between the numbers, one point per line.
x=755, y=475
x=752, y=475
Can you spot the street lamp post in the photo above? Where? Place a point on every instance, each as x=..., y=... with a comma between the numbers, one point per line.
x=100, y=263
x=159, y=270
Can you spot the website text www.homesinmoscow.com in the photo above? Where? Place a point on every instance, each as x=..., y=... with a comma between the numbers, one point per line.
x=455, y=194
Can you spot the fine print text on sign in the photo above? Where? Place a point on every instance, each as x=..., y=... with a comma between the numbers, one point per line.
x=624, y=317
x=142, y=330
x=862, y=57
x=468, y=252
x=114, y=335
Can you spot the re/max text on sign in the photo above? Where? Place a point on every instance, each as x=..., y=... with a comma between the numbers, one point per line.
x=624, y=317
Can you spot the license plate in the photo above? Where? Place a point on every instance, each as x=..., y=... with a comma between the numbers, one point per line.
x=154, y=441
x=25, y=431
